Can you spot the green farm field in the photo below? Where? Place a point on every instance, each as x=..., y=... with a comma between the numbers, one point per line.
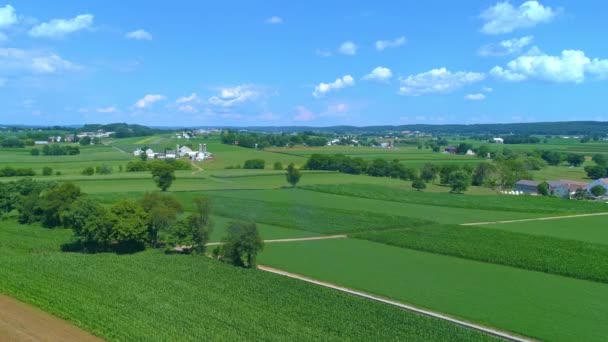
x=592, y=229
x=124, y=298
x=490, y=294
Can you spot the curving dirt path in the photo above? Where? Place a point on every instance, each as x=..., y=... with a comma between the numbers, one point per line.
x=487, y=330
x=326, y=237
x=534, y=219
x=21, y=322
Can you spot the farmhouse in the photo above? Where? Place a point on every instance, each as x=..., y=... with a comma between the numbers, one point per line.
x=450, y=150
x=41, y=142
x=498, y=140
x=558, y=188
x=529, y=187
x=603, y=182
x=573, y=186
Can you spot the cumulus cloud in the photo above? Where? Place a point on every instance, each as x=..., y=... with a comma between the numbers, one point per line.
x=274, y=20
x=186, y=99
x=8, y=16
x=323, y=88
x=384, y=44
x=505, y=47
x=149, y=100
x=475, y=97
x=110, y=109
x=571, y=66
x=234, y=95
x=487, y=89
x=504, y=17
x=380, y=74
x=139, y=35
x=437, y=81
x=58, y=28
x=18, y=60
x=348, y=48
x=303, y=114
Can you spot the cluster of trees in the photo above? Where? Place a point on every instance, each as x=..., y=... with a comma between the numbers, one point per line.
x=121, y=130
x=89, y=141
x=9, y=171
x=146, y=165
x=520, y=139
x=12, y=142
x=261, y=140
x=56, y=150
x=241, y=245
x=257, y=164
x=103, y=169
x=600, y=169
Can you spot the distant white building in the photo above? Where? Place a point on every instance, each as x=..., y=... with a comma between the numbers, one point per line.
x=137, y=152
x=470, y=153
x=498, y=140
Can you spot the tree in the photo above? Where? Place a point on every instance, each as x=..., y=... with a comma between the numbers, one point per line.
x=47, y=171
x=35, y=152
x=428, y=172
x=600, y=159
x=483, y=151
x=595, y=171
x=90, y=222
x=254, y=164
x=598, y=191
x=162, y=211
x=445, y=171
x=482, y=174
x=419, y=184
x=193, y=232
x=54, y=201
x=129, y=225
x=242, y=244
x=552, y=157
x=278, y=166
x=580, y=194
x=463, y=148
x=104, y=169
x=543, y=189
x=575, y=159
x=459, y=181
x=88, y=171
x=85, y=141
x=143, y=156
x=163, y=174
x=293, y=175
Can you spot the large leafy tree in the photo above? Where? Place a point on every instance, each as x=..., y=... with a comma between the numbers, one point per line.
x=162, y=211
x=129, y=225
x=293, y=175
x=575, y=159
x=90, y=222
x=242, y=244
x=598, y=191
x=163, y=174
x=55, y=200
x=459, y=181
x=193, y=232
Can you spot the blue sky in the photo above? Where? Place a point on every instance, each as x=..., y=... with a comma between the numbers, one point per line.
x=316, y=63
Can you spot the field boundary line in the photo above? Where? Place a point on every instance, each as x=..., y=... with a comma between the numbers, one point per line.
x=533, y=219
x=312, y=238
x=487, y=330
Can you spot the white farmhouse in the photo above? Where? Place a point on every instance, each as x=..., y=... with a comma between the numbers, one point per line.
x=137, y=152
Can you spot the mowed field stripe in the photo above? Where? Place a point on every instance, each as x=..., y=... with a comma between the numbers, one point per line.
x=533, y=219
x=328, y=237
x=487, y=330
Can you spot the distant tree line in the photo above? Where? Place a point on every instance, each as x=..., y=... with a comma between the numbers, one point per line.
x=261, y=140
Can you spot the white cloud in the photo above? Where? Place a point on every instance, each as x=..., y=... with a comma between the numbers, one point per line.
x=324, y=88
x=505, y=47
x=475, y=97
x=571, y=66
x=384, y=44
x=186, y=99
x=274, y=20
x=437, y=81
x=234, y=95
x=149, y=100
x=487, y=89
x=348, y=48
x=8, y=16
x=18, y=60
x=303, y=114
x=110, y=109
x=504, y=17
x=139, y=35
x=323, y=53
x=380, y=74
x=58, y=28
x=186, y=108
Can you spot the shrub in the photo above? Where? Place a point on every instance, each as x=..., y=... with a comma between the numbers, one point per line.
x=254, y=164
x=278, y=166
x=47, y=171
x=598, y=191
x=88, y=171
x=35, y=152
x=104, y=169
x=136, y=165
x=419, y=184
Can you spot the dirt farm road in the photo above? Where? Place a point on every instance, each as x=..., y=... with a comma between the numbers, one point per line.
x=20, y=322
x=534, y=219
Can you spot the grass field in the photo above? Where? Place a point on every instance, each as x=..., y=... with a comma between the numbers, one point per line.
x=592, y=229
x=535, y=304
x=157, y=297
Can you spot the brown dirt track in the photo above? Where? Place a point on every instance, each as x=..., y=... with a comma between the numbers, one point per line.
x=22, y=322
